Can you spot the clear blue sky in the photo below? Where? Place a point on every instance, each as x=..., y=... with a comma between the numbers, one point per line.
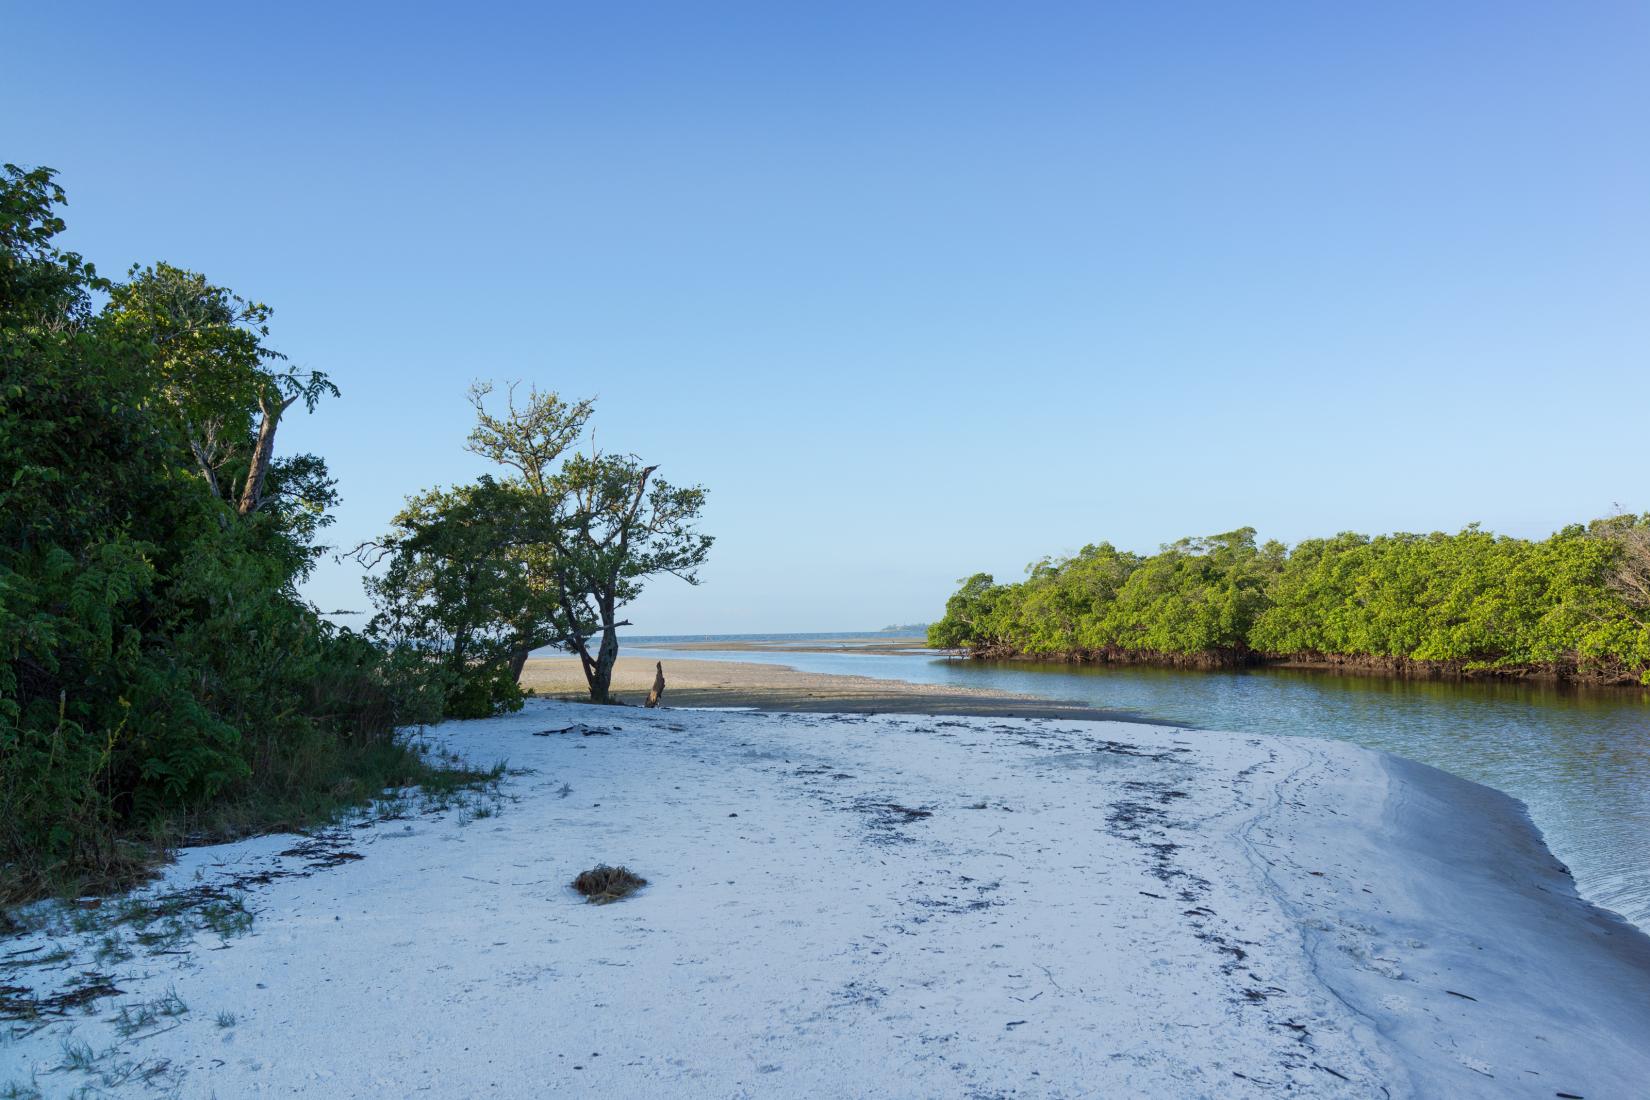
x=914, y=289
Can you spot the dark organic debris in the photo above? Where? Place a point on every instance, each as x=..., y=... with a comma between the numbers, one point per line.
x=1120, y=749
x=602, y=884
x=17, y=1002
x=1463, y=996
x=1221, y=944
x=322, y=852
x=576, y=727
x=885, y=819
x=859, y=993
x=20, y=1003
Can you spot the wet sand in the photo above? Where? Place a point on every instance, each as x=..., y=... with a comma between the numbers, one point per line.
x=869, y=643
x=693, y=683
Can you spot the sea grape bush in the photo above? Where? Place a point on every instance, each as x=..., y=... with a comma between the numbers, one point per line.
x=1469, y=602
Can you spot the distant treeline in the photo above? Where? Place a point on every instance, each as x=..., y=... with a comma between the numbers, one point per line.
x=1575, y=606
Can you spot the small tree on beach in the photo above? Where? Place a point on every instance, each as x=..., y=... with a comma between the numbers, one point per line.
x=479, y=576
x=606, y=524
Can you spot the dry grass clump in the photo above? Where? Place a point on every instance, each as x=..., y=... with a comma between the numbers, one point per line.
x=602, y=884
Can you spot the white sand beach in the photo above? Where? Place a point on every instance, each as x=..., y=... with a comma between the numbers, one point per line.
x=886, y=906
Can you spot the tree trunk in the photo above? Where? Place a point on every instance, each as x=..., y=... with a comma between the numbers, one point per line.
x=601, y=673
x=252, y=494
x=518, y=659
x=457, y=657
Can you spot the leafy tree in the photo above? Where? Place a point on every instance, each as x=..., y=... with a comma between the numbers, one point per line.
x=225, y=389
x=1064, y=600
x=478, y=577
x=965, y=615
x=1197, y=596
x=608, y=524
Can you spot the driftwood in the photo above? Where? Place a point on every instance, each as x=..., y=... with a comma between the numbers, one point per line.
x=658, y=692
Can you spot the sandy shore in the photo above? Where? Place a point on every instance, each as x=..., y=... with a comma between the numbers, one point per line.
x=870, y=643
x=692, y=683
x=847, y=905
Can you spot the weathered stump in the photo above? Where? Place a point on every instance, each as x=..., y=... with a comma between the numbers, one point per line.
x=658, y=692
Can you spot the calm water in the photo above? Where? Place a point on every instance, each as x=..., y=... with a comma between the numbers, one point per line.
x=1579, y=760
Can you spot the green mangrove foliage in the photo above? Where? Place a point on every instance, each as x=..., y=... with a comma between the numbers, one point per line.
x=158, y=671
x=1575, y=605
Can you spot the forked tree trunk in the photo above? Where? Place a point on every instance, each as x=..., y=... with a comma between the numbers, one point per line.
x=600, y=671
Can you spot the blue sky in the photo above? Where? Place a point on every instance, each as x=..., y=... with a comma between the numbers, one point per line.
x=914, y=289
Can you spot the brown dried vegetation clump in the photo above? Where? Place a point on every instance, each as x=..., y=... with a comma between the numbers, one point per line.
x=602, y=884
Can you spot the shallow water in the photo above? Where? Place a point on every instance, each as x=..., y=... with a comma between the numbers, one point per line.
x=1579, y=760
